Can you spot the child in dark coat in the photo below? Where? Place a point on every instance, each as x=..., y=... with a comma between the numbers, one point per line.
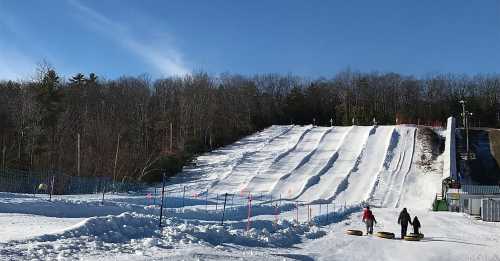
x=416, y=225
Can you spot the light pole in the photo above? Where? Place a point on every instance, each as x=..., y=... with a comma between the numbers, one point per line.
x=463, y=112
x=467, y=114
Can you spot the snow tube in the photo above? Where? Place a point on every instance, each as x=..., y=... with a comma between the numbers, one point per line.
x=387, y=235
x=419, y=235
x=412, y=237
x=353, y=232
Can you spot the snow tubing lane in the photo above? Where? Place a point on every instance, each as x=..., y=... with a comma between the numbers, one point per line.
x=387, y=235
x=412, y=237
x=353, y=232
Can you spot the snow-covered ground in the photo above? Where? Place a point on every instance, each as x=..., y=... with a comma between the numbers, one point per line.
x=301, y=186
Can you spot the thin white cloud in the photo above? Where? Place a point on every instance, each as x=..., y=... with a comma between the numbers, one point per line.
x=165, y=58
x=14, y=64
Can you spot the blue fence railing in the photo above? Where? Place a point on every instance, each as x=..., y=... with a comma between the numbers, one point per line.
x=18, y=181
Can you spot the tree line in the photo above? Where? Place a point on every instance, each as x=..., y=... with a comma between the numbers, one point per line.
x=129, y=128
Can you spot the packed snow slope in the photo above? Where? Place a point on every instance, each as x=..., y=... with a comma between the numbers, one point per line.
x=326, y=164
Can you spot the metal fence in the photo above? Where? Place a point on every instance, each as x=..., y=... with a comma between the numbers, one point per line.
x=490, y=210
x=480, y=189
x=18, y=181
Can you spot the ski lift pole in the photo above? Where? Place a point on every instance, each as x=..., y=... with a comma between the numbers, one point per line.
x=162, y=198
x=224, y=209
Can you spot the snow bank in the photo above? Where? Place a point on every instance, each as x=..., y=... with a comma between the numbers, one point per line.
x=139, y=233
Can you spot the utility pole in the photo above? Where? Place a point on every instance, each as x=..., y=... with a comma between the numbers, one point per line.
x=4, y=149
x=170, y=137
x=116, y=160
x=78, y=155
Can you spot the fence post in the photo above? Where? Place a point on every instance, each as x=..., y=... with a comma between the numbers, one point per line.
x=309, y=213
x=326, y=213
x=217, y=202
x=103, y=192
x=183, y=197
x=206, y=202
x=154, y=197
x=297, y=207
x=162, y=198
x=249, y=210
x=51, y=188
x=319, y=215
x=224, y=209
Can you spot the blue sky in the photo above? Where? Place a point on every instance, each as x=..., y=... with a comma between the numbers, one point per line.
x=308, y=38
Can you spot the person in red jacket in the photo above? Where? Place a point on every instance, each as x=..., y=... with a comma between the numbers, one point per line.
x=369, y=220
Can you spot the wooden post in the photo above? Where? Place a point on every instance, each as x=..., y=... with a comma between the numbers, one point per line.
x=171, y=139
x=183, y=197
x=216, y=202
x=78, y=155
x=51, y=188
x=206, y=202
x=327, y=213
x=103, y=192
x=4, y=150
x=154, y=197
x=32, y=152
x=297, y=206
x=116, y=160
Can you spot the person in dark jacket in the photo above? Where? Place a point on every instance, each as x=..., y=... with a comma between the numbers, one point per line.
x=416, y=225
x=403, y=220
x=369, y=219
